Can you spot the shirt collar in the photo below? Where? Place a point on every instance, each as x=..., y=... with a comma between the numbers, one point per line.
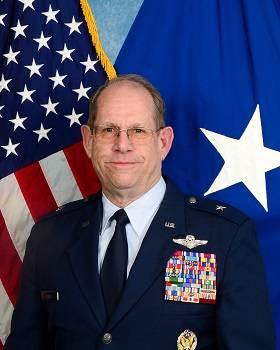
x=139, y=211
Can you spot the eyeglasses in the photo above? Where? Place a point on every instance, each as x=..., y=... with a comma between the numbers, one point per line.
x=109, y=133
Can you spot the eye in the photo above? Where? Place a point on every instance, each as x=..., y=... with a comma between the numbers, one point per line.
x=107, y=130
x=139, y=131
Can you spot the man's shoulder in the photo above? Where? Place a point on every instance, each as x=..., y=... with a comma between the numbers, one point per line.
x=205, y=207
x=216, y=208
x=71, y=208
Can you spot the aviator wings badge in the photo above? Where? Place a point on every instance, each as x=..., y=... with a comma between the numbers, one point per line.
x=190, y=241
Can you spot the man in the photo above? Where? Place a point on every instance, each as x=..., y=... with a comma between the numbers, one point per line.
x=169, y=271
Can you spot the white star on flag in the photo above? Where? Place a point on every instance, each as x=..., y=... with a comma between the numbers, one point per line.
x=50, y=106
x=10, y=148
x=43, y=41
x=246, y=160
x=51, y=15
x=74, y=26
x=82, y=91
x=66, y=53
x=42, y=133
x=27, y=3
x=58, y=79
x=89, y=64
x=18, y=122
x=74, y=117
x=11, y=56
x=26, y=94
x=1, y=19
x=19, y=29
x=4, y=83
x=34, y=68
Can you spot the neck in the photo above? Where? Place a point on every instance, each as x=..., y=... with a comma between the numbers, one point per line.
x=122, y=198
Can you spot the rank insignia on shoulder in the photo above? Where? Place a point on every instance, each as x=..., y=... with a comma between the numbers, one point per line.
x=190, y=277
x=190, y=241
x=220, y=207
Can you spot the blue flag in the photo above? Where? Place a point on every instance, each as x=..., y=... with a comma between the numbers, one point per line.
x=217, y=65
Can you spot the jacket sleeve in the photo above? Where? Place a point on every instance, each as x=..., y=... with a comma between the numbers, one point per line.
x=244, y=320
x=29, y=322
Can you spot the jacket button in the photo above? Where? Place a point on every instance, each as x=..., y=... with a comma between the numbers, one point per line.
x=192, y=200
x=107, y=338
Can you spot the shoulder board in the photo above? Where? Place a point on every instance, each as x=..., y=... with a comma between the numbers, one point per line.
x=217, y=208
x=69, y=207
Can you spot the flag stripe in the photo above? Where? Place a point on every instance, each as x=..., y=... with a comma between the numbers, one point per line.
x=82, y=169
x=34, y=188
x=6, y=310
x=12, y=204
x=10, y=263
x=60, y=178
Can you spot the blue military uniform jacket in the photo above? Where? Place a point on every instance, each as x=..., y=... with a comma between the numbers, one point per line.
x=60, y=305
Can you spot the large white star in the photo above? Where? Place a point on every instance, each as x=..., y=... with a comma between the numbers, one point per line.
x=27, y=3
x=26, y=94
x=66, y=53
x=82, y=91
x=10, y=148
x=51, y=15
x=74, y=26
x=1, y=19
x=18, y=122
x=34, y=68
x=89, y=64
x=58, y=79
x=246, y=160
x=11, y=56
x=43, y=41
x=19, y=29
x=4, y=83
x=74, y=117
x=50, y=106
x=42, y=133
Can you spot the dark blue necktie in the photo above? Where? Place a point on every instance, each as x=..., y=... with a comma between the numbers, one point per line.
x=114, y=268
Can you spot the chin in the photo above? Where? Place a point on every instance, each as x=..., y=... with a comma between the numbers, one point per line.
x=123, y=182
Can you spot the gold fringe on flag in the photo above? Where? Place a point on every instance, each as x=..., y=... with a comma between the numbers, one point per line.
x=92, y=28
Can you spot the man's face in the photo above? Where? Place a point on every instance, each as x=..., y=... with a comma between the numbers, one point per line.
x=127, y=167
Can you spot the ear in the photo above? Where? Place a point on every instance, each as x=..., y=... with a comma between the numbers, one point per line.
x=87, y=139
x=166, y=138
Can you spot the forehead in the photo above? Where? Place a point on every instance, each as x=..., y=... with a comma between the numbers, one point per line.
x=126, y=102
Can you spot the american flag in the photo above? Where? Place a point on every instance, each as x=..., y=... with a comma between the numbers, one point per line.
x=51, y=62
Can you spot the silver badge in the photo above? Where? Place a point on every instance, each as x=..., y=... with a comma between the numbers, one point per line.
x=169, y=224
x=190, y=241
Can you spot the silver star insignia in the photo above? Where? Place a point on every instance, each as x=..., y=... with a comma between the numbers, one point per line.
x=220, y=207
x=190, y=241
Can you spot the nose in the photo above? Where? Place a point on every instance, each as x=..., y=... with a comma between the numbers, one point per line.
x=122, y=142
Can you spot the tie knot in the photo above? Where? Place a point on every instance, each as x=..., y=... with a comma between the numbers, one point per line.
x=121, y=217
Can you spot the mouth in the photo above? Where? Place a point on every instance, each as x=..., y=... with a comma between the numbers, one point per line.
x=121, y=164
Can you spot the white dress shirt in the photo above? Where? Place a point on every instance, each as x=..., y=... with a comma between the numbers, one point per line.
x=140, y=213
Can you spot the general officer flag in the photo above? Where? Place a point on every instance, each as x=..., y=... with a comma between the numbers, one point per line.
x=51, y=61
x=217, y=65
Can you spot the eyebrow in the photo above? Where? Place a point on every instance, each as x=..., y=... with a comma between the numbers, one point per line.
x=111, y=124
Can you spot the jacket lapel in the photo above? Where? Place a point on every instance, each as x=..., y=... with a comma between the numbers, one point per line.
x=83, y=257
x=155, y=251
